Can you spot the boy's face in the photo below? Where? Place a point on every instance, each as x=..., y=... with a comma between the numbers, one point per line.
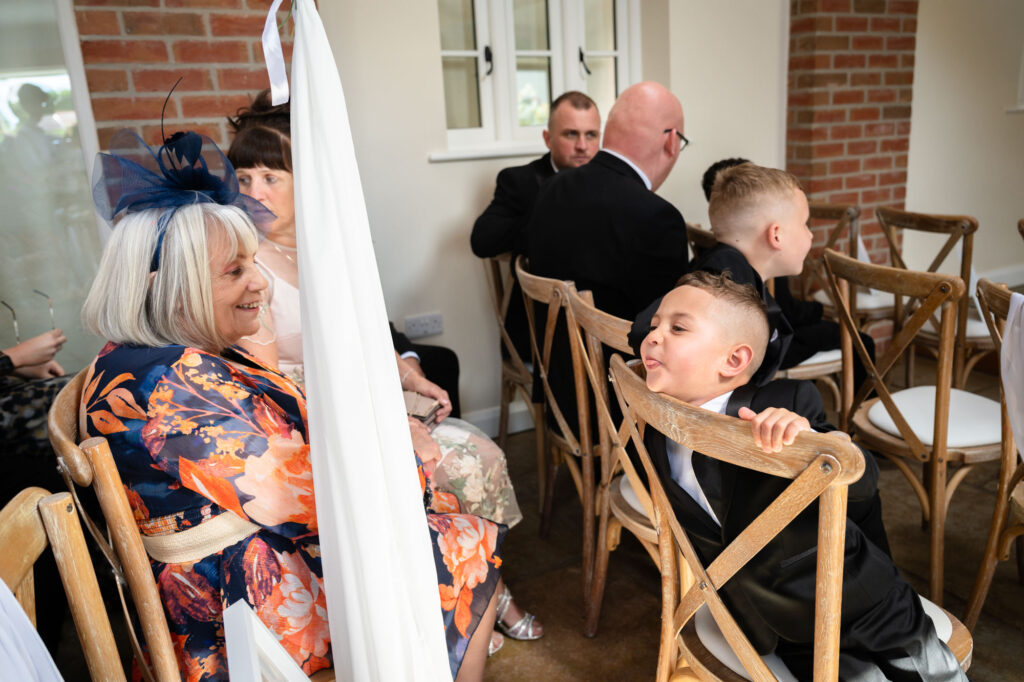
x=685, y=348
x=796, y=235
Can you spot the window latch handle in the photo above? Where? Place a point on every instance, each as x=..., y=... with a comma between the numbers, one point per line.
x=583, y=62
x=489, y=58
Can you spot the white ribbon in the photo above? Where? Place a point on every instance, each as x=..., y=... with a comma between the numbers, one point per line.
x=274, y=56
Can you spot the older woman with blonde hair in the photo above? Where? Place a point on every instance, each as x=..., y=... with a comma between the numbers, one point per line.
x=210, y=443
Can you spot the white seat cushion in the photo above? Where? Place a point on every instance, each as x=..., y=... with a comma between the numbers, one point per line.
x=712, y=639
x=823, y=356
x=975, y=328
x=973, y=420
x=629, y=495
x=866, y=300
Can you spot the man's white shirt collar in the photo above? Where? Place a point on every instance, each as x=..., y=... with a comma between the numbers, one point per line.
x=643, y=176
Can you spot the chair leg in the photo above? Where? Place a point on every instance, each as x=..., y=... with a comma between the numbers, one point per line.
x=595, y=598
x=937, y=527
x=667, y=653
x=549, y=491
x=988, y=566
x=589, y=523
x=507, y=393
x=542, y=461
x=1020, y=559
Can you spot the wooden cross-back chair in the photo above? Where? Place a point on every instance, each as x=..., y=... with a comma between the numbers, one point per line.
x=561, y=444
x=516, y=377
x=30, y=522
x=971, y=334
x=618, y=495
x=92, y=464
x=1008, y=515
x=699, y=239
x=846, y=227
x=914, y=425
x=822, y=466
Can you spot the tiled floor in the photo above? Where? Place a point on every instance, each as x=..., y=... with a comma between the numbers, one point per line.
x=545, y=576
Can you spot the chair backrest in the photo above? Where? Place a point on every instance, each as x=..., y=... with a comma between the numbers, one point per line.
x=30, y=522
x=846, y=219
x=958, y=229
x=555, y=294
x=592, y=329
x=929, y=293
x=700, y=240
x=91, y=464
x=822, y=466
x=500, y=283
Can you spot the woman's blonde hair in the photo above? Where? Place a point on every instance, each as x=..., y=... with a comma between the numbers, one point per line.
x=176, y=307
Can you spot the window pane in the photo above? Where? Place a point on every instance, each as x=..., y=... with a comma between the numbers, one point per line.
x=51, y=242
x=457, y=24
x=599, y=23
x=531, y=24
x=533, y=90
x=461, y=94
x=601, y=83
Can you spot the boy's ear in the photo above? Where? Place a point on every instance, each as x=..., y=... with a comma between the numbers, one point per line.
x=773, y=235
x=737, y=360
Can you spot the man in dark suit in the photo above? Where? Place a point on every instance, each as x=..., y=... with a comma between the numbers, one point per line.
x=573, y=136
x=706, y=340
x=602, y=225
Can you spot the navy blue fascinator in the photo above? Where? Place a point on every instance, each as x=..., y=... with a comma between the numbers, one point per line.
x=186, y=169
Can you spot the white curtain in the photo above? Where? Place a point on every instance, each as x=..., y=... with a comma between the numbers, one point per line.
x=1012, y=362
x=379, y=574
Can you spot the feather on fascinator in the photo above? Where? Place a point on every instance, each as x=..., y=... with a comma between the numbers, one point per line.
x=188, y=168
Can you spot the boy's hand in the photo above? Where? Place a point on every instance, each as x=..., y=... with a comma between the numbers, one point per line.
x=775, y=427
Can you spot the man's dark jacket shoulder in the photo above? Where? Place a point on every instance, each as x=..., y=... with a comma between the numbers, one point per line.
x=600, y=226
x=500, y=227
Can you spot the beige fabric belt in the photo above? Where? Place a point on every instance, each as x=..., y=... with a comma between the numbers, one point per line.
x=199, y=542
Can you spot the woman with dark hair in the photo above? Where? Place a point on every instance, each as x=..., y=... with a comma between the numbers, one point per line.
x=464, y=464
x=211, y=444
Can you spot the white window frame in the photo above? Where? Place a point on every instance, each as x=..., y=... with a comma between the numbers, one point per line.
x=500, y=134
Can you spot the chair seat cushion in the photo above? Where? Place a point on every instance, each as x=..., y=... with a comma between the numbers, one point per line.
x=866, y=300
x=822, y=356
x=712, y=639
x=973, y=420
x=975, y=328
x=629, y=495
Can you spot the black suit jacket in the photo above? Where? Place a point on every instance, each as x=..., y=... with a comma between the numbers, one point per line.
x=500, y=229
x=600, y=226
x=772, y=597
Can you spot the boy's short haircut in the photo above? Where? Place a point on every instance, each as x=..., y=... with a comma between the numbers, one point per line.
x=738, y=191
x=744, y=301
x=707, y=181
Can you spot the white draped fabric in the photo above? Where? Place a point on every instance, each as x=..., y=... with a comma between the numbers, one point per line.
x=1012, y=361
x=379, y=574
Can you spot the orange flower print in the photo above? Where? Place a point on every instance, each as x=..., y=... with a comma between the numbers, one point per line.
x=187, y=593
x=467, y=544
x=281, y=483
x=462, y=602
x=261, y=571
x=296, y=610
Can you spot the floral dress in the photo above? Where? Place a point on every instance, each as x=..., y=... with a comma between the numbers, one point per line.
x=195, y=435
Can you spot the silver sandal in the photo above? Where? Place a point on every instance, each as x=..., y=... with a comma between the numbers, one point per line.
x=523, y=629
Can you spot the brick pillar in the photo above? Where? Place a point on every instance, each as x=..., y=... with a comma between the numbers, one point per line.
x=851, y=74
x=134, y=51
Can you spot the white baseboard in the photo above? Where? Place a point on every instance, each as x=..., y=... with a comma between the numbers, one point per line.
x=1013, y=275
x=487, y=419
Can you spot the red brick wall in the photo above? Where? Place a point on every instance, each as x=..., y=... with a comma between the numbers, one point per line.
x=851, y=75
x=134, y=51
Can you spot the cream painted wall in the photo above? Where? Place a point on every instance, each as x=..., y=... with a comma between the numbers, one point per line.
x=966, y=151
x=421, y=213
x=728, y=67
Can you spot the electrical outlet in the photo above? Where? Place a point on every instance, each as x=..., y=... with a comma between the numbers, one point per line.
x=426, y=324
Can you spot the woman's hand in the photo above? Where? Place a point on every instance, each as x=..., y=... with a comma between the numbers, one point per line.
x=774, y=427
x=422, y=443
x=38, y=350
x=414, y=380
x=45, y=370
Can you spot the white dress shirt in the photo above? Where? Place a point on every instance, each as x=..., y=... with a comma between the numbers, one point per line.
x=680, y=461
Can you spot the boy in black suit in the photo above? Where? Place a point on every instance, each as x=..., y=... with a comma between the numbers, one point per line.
x=704, y=345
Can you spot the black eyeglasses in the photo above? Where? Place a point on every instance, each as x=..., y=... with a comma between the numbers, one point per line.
x=682, y=138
